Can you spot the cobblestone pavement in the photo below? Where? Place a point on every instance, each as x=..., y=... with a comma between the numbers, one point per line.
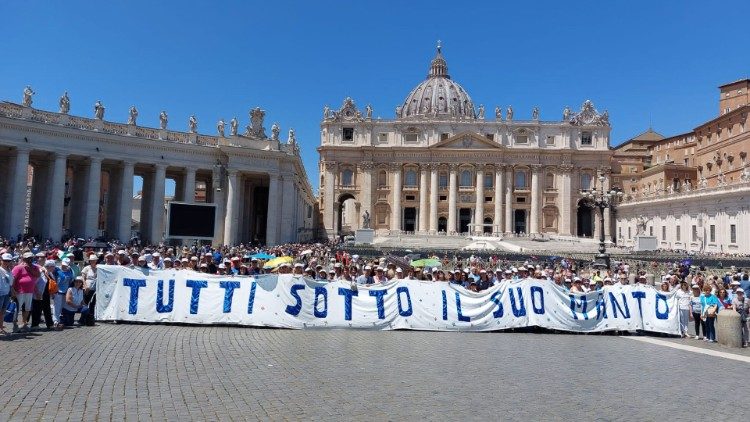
x=143, y=372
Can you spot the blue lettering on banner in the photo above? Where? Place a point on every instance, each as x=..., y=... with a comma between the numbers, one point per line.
x=251, y=299
x=518, y=311
x=616, y=306
x=294, y=310
x=348, y=293
x=379, y=301
x=538, y=308
x=445, y=306
x=496, y=298
x=228, y=287
x=601, y=307
x=461, y=317
x=160, y=306
x=321, y=291
x=401, y=311
x=638, y=296
x=134, y=285
x=195, y=296
x=579, y=302
x=662, y=298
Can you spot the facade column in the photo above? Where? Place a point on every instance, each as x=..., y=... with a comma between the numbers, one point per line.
x=55, y=209
x=396, y=192
x=534, y=214
x=452, y=197
x=218, y=198
x=509, y=200
x=566, y=213
x=423, y=211
x=125, y=217
x=607, y=211
x=232, y=220
x=157, y=204
x=93, y=193
x=497, y=220
x=16, y=208
x=287, y=229
x=434, y=199
x=189, y=188
x=479, y=201
x=366, y=189
x=329, y=199
x=272, y=221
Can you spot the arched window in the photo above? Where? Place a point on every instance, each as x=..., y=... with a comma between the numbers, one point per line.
x=519, y=181
x=489, y=178
x=549, y=181
x=410, y=178
x=382, y=179
x=585, y=181
x=347, y=177
x=466, y=179
x=443, y=180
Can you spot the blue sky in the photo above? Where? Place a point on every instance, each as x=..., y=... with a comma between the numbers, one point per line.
x=643, y=61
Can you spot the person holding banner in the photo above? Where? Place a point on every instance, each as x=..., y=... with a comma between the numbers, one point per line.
x=710, y=307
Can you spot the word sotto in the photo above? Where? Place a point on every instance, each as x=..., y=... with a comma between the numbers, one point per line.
x=296, y=302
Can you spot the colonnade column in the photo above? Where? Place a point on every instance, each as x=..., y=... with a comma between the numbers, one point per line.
x=508, y=200
x=218, y=198
x=396, y=192
x=423, y=215
x=232, y=220
x=125, y=216
x=479, y=202
x=366, y=186
x=534, y=214
x=329, y=199
x=57, y=197
x=496, y=221
x=93, y=193
x=452, y=196
x=189, y=189
x=565, y=209
x=434, y=199
x=157, y=204
x=17, y=209
x=272, y=220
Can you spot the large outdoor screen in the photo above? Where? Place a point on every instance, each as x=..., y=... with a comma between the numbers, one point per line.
x=191, y=221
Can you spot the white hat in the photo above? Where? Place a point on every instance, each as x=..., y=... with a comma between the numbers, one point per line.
x=109, y=254
x=734, y=283
x=508, y=272
x=739, y=290
x=193, y=258
x=185, y=260
x=27, y=255
x=298, y=265
x=222, y=266
x=482, y=271
x=367, y=267
x=156, y=254
x=142, y=258
x=121, y=252
x=93, y=257
x=576, y=278
x=695, y=286
x=7, y=257
x=167, y=259
x=66, y=261
x=49, y=263
x=399, y=270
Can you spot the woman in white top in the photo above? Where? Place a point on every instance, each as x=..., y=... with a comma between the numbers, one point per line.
x=683, y=302
x=74, y=303
x=695, y=309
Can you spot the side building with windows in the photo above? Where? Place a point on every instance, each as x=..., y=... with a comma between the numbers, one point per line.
x=441, y=166
x=694, y=192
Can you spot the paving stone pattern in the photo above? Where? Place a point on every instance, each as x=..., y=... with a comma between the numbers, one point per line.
x=159, y=372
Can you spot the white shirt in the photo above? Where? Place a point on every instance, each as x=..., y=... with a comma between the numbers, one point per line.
x=6, y=279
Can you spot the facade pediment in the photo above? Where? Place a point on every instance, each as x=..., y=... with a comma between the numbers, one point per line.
x=466, y=140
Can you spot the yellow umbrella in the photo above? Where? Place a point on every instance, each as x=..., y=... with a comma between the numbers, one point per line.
x=278, y=261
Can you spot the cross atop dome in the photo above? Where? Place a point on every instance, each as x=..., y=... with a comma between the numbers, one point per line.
x=438, y=66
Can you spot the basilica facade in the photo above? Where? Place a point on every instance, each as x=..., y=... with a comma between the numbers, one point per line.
x=443, y=166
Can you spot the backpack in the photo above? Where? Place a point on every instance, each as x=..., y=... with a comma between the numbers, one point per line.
x=10, y=312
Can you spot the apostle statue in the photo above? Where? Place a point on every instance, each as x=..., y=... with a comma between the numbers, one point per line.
x=535, y=113
x=291, y=139
x=220, y=127
x=233, y=126
x=133, y=115
x=481, y=111
x=64, y=103
x=27, y=94
x=99, y=110
x=566, y=114
x=368, y=111
x=498, y=113
x=192, y=124
x=509, y=113
x=163, y=120
x=275, y=132
x=326, y=112
x=366, y=220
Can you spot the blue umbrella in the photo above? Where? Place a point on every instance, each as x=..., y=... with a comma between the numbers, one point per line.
x=263, y=256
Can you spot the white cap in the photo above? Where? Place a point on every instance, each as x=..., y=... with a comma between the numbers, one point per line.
x=49, y=263
x=222, y=266
x=185, y=260
x=156, y=254
x=739, y=290
x=734, y=283
x=66, y=261
x=142, y=258
x=93, y=257
x=109, y=254
x=121, y=252
x=167, y=259
x=27, y=255
x=482, y=271
x=399, y=270
x=298, y=265
x=7, y=257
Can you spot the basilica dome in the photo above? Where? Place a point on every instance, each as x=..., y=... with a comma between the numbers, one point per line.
x=438, y=95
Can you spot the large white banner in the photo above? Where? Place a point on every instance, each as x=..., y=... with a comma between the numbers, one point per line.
x=296, y=302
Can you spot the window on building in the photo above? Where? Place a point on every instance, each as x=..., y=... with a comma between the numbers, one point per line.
x=712, y=233
x=347, y=177
x=585, y=181
x=521, y=199
x=490, y=136
x=677, y=233
x=444, y=136
x=732, y=233
x=443, y=180
x=489, y=179
x=466, y=179
x=549, y=181
x=651, y=231
x=383, y=138
x=522, y=139
x=619, y=232
x=382, y=179
x=348, y=134
x=551, y=140
x=411, y=137
x=586, y=138
x=629, y=233
x=520, y=180
x=410, y=178
x=663, y=232
x=694, y=234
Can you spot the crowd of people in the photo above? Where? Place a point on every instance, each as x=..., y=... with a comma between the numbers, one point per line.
x=54, y=283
